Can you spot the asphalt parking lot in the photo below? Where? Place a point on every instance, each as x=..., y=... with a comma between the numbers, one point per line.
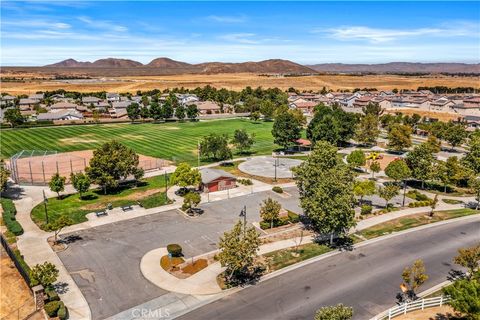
x=105, y=261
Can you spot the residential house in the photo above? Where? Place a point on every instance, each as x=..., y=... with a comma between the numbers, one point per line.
x=208, y=107
x=113, y=97
x=303, y=105
x=36, y=96
x=60, y=115
x=443, y=104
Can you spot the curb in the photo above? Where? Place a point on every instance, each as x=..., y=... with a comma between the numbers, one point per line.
x=274, y=274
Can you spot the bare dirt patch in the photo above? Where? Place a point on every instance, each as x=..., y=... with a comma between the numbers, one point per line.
x=16, y=299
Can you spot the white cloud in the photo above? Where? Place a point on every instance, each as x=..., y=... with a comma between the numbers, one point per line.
x=36, y=23
x=378, y=35
x=239, y=38
x=104, y=25
x=227, y=19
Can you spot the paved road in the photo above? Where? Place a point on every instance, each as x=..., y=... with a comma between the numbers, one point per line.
x=105, y=261
x=366, y=278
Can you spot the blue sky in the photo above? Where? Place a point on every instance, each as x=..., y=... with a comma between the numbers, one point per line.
x=42, y=32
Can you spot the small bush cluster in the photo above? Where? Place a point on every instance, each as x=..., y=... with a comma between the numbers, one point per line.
x=277, y=189
x=291, y=218
x=56, y=308
x=245, y=182
x=366, y=209
x=175, y=250
x=416, y=195
x=417, y=204
x=9, y=219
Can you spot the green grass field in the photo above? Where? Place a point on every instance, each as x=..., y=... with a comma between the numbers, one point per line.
x=171, y=141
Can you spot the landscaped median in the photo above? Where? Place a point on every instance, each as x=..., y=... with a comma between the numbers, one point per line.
x=149, y=193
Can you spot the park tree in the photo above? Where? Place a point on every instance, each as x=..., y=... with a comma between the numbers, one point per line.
x=398, y=170
x=420, y=161
x=286, y=130
x=133, y=111
x=255, y=116
x=156, y=111
x=45, y=274
x=81, y=182
x=267, y=109
x=57, y=225
x=144, y=113
x=474, y=183
x=338, y=312
x=455, y=134
x=469, y=258
x=238, y=250
x=298, y=114
x=215, y=146
x=434, y=144
x=242, y=140
x=191, y=201
x=13, y=117
x=325, y=185
x=4, y=175
x=373, y=108
x=192, y=111
x=388, y=192
x=357, y=158
x=364, y=188
x=57, y=183
x=399, y=137
x=111, y=162
x=375, y=168
x=414, y=276
x=331, y=124
x=270, y=211
x=180, y=112
x=185, y=176
x=367, y=130
x=465, y=297
x=472, y=158
x=167, y=109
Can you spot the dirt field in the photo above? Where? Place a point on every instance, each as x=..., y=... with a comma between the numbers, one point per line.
x=237, y=82
x=16, y=301
x=437, y=313
x=39, y=169
x=442, y=116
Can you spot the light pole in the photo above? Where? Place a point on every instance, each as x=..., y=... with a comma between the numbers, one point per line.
x=243, y=214
x=45, y=200
x=276, y=164
x=166, y=187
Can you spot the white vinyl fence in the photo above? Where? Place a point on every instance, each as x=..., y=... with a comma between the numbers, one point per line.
x=411, y=306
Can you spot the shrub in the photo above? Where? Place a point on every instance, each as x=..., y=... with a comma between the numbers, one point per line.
x=366, y=209
x=416, y=195
x=52, y=307
x=417, y=204
x=62, y=313
x=245, y=182
x=174, y=249
x=277, y=189
x=52, y=294
x=293, y=217
x=9, y=212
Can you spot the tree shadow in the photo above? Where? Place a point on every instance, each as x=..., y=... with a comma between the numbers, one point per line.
x=89, y=196
x=61, y=287
x=70, y=239
x=247, y=277
x=455, y=275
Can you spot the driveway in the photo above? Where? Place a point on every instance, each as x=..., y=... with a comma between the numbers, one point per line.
x=105, y=260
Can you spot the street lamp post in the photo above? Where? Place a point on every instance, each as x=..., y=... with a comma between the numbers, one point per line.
x=45, y=200
x=243, y=214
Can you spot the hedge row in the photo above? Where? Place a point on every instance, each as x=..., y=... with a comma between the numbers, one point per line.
x=9, y=213
x=417, y=204
x=291, y=218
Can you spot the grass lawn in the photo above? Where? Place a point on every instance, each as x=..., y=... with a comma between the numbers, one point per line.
x=284, y=258
x=176, y=141
x=413, y=221
x=150, y=193
x=232, y=167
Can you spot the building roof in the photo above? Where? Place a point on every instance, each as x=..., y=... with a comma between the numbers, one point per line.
x=63, y=105
x=209, y=175
x=59, y=115
x=207, y=105
x=90, y=99
x=28, y=101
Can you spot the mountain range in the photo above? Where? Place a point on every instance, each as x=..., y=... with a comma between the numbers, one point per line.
x=167, y=65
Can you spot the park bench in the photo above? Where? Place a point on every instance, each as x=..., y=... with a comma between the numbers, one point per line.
x=127, y=207
x=101, y=213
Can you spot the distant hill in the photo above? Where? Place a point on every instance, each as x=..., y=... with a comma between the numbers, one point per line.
x=397, y=67
x=168, y=65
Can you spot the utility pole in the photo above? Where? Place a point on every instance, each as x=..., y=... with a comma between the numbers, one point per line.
x=166, y=186
x=198, y=153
